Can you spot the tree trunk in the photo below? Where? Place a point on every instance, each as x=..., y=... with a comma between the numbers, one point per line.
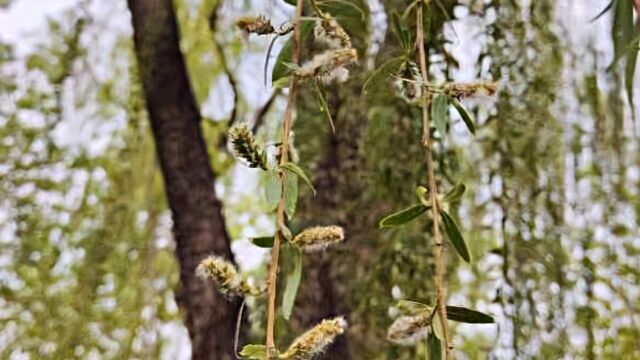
x=324, y=293
x=198, y=223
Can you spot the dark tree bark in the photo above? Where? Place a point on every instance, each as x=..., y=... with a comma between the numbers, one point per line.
x=198, y=223
x=324, y=292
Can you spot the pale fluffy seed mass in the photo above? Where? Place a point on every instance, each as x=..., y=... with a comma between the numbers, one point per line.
x=408, y=330
x=318, y=238
x=225, y=275
x=317, y=339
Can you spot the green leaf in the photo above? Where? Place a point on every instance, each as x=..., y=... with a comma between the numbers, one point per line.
x=291, y=290
x=324, y=107
x=290, y=193
x=421, y=193
x=434, y=346
x=285, y=231
x=404, y=36
x=631, y=47
x=629, y=74
x=452, y=230
x=281, y=83
x=263, y=241
x=465, y=115
x=437, y=326
x=254, y=352
x=273, y=189
x=455, y=193
x=623, y=33
x=622, y=27
x=382, y=74
x=294, y=168
x=461, y=314
x=439, y=113
x=403, y=216
x=409, y=307
x=280, y=68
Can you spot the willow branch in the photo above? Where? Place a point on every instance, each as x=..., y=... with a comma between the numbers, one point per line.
x=280, y=213
x=438, y=249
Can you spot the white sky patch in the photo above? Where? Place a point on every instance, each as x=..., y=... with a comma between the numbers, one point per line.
x=26, y=18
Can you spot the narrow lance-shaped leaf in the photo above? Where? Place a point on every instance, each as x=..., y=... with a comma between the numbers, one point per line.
x=623, y=32
x=631, y=47
x=437, y=326
x=439, y=113
x=434, y=346
x=629, y=74
x=382, y=74
x=281, y=83
x=254, y=352
x=403, y=216
x=403, y=34
x=290, y=193
x=455, y=193
x=280, y=68
x=465, y=115
x=284, y=231
x=465, y=315
x=291, y=290
x=298, y=171
x=622, y=27
x=263, y=241
x=453, y=232
x=273, y=189
x=324, y=107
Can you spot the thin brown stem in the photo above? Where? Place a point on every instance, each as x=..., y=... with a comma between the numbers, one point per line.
x=438, y=249
x=280, y=212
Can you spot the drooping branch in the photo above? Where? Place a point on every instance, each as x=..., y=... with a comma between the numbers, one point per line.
x=280, y=212
x=438, y=250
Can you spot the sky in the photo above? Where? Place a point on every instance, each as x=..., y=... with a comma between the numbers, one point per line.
x=27, y=17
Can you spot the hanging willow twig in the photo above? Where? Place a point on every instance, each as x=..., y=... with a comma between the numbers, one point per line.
x=280, y=212
x=438, y=250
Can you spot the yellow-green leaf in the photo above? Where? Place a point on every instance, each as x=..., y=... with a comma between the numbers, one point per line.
x=465, y=115
x=254, y=352
x=403, y=216
x=291, y=290
x=455, y=193
x=439, y=113
x=293, y=167
x=273, y=189
x=290, y=193
x=280, y=69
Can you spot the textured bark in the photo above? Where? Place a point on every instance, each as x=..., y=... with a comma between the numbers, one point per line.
x=325, y=289
x=198, y=223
